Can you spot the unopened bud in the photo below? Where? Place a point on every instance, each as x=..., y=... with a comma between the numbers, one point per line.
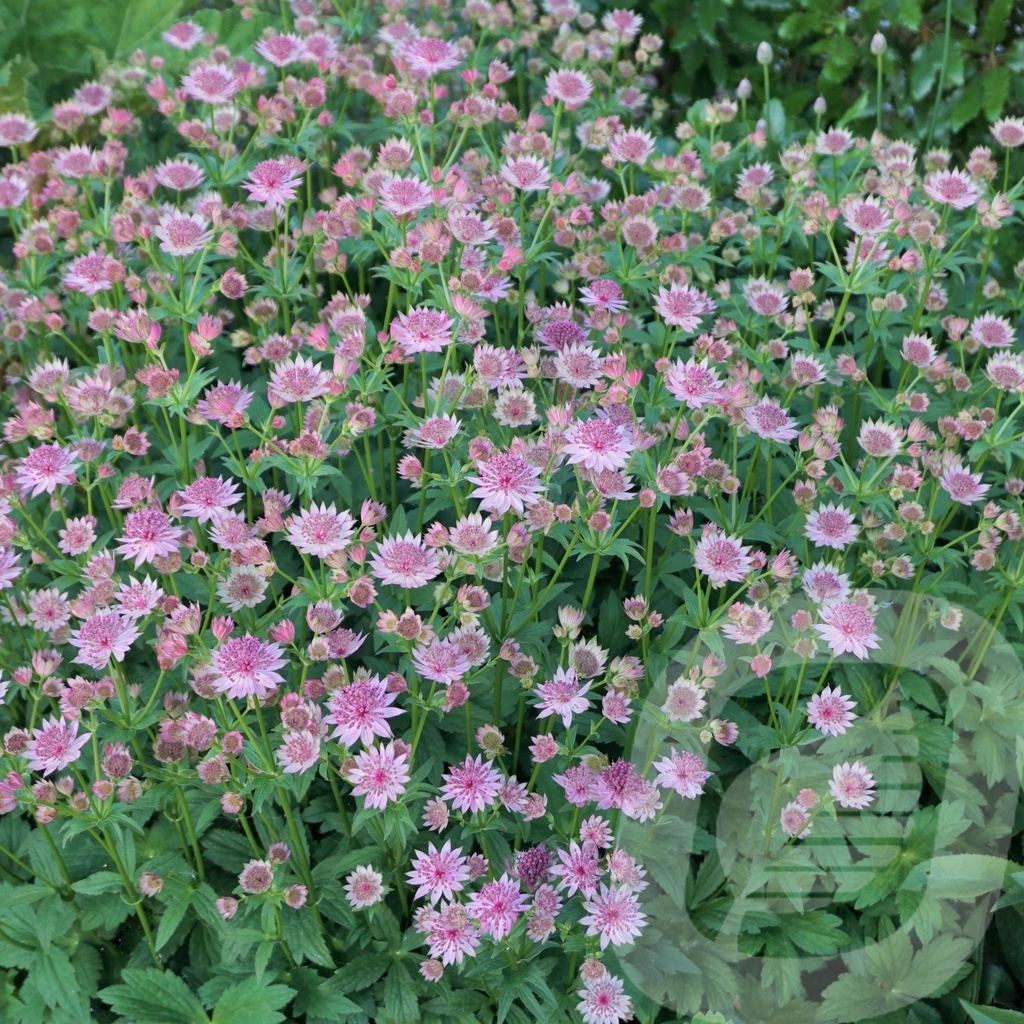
x=878, y=44
x=764, y=54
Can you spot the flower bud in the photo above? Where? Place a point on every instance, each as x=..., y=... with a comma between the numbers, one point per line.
x=744, y=90
x=878, y=44
x=820, y=106
x=764, y=54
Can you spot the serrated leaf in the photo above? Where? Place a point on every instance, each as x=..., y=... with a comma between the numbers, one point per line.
x=400, y=995
x=816, y=932
x=150, y=996
x=252, y=1003
x=961, y=876
x=173, y=914
x=100, y=881
x=991, y=1014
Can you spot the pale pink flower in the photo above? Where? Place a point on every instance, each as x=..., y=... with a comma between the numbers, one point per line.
x=401, y=196
x=185, y=35
x=281, y=50
x=380, y=775
x=866, y=216
x=10, y=568
x=180, y=175
x=92, y=273
x=148, y=534
x=46, y=468
x=684, y=701
x=426, y=56
x=831, y=711
x=497, y=907
x=506, y=482
x=614, y=916
x=962, y=485
x=880, y=439
x=405, y=561
x=694, y=384
x=631, y=146
x=55, y=745
x=598, y=444
x=604, y=294
x=274, y=182
x=256, y=877
x=364, y=887
x=991, y=331
x=439, y=873
x=103, y=636
x=422, y=330
x=299, y=751
x=472, y=785
x=683, y=772
x=573, y=88
x=360, y=711
x=952, y=188
x=563, y=695
x=182, y=234
x=794, y=820
x=298, y=380
x=722, y=559
x=1009, y=132
x=527, y=173
x=320, y=530
x=16, y=129
x=210, y=83
x=833, y=142
x=207, y=497
x=848, y=628
x=225, y=403
x=602, y=1000
x=473, y=535
x=823, y=583
x=682, y=306
x=769, y=420
x=243, y=587
x=247, y=666
x=831, y=526
x=852, y=785
x=452, y=934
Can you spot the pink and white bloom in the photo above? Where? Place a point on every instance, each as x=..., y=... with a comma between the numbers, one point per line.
x=683, y=772
x=45, y=469
x=831, y=711
x=55, y=745
x=831, y=526
x=497, y=907
x=439, y=873
x=208, y=497
x=598, y=444
x=364, y=887
x=275, y=182
x=683, y=306
x=148, y=534
x=506, y=481
x=247, y=666
x=952, y=188
x=848, y=627
x=602, y=1000
x=852, y=785
x=405, y=561
x=103, y=636
x=360, y=711
x=380, y=775
x=320, y=530
x=563, y=695
x=614, y=915
x=472, y=785
x=769, y=420
x=721, y=558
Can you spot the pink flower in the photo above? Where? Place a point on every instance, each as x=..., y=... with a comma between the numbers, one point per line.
x=104, y=636
x=298, y=380
x=441, y=662
x=364, y=887
x=580, y=870
x=183, y=36
x=46, y=468
x=613, y=915
x=602, y=1000
x=831, y=526
x=16, y=129
x=247, y=666
x=848, y=627
x=210, y=83
x=722, y=559
x=281, y=50
x=823, y=583
x=497, y=907
x=603, y=294
x=682, y=306
x=361, y=710
x=405, y=561
x=452, y=934
x=401, y=196
x=694, y=384
x=472, y=785
x=148, y=534
x=321, y=530
x=55, y=745
x=573, y=88
x=684, y=701
x=564, y=695
x=528, y=174
x=256, y=877
x=852, y=785
x=225, y=403
x=422, y=330
x=182, y=234
x=794, y=820
x=684, y=772
x=426, y=56
x=991, y=331
x=274, y=182
x=506, y=482
x=598, y=444
x=1009, y=132
x=439, y=872
x=299, y=751
x=179, y=175
x=830, y=712
x=769, y=420
x=380, y=775
x=952, y=188
x=962, y=485
x=207, y=497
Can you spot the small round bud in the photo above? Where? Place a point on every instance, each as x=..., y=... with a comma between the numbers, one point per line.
x=744, y=89
x=764, y=54
x=878, y=44
x=820, y=106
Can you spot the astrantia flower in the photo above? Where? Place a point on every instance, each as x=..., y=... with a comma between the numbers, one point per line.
x=694, y=384
x=598, y=444
x=16, y=129
x=603, y=294
x=991, y=331
x=563, y=695
x=92, y=273
x=602, y=1000
x=243, y=587
x=452, y=934
x=183, y=36
x=281, y=50
x=506, y=482
x=794, y=820
x=765, y=297
x=682, y=306
x=404, y=561
x=225, y=403
x=573, y=88
x=179, y=175
x=823, y=583
x=298, y=380
x=614, y=916
x=299, y=751
x=527, y=173
x=833, y=142
x=422, y=330
x=852, y=785
x=831, y=526
x=848, y=628
x=866, y=216
x=473, y=535
x=247, y=666
x=438, y=873
x=137, y=598
x=274, y=182
x=952, y=188
x=104, y=636
x=364, y=887
x=320, y=530
x=1009, y=132
x=880, y=439
x=684, y=701
x=401, y=196
x=45, y=469
x=182, y=234
x=497, y=907
x=962, y=485
x=210, y=83
x=831, y=711
x=380, y=775
x=722, y=559
x=769, y=420
x=472, y=785
x=360, y=711
x=148, y=534
x=10, y=568
x=436, y=432
x=426, y=55
x=207, y=497
x=256, y=876
x=632, y=146
x=55, y=745
x=683, y=772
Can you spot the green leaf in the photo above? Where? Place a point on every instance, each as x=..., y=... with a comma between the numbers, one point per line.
x=252, y=1003
x=961, y=876
x=969, y=105
x=358, y=973
x=997, y=86
x=817, y=932
x=400, y=996
x=991, y=1015
x=173, y=915
x=150, y=996
x=101, y=881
